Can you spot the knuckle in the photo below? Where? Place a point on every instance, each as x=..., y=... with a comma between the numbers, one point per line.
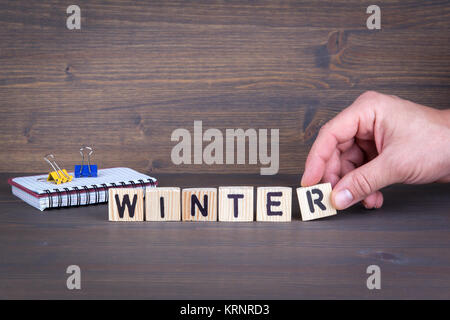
x=361, y=184
x=325, y=128
x=370, y=95
x=374, y=101
x=371, y=99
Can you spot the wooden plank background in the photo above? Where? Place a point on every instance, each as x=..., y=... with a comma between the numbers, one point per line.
x=137, y=70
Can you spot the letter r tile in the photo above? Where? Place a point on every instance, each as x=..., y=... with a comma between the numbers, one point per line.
x=315, y=202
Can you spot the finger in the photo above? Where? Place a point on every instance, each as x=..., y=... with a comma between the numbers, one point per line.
x=353, y=155
x=347, y=166
x=353, y=158
x=361, y=182
x=333, y=169
x=338, y=130
x=373, y=200
x=331, y=178
x=342, y=147
x=369, y=148
x=444, y=179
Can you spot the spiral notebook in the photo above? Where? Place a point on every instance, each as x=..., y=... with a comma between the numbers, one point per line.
x=39, y=193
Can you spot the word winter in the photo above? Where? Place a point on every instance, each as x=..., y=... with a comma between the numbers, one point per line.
x=222, y=204
x=214, y=151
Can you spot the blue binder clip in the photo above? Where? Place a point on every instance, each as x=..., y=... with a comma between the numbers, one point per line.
x=89, y=170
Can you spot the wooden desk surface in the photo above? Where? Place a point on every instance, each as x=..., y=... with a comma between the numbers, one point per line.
x=409, y=238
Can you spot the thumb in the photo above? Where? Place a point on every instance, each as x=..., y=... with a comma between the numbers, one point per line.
x=361, y=182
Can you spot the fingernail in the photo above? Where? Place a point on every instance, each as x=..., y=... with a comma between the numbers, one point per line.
x=343, y=199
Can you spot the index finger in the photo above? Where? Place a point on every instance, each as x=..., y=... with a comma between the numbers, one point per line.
x=340, y=129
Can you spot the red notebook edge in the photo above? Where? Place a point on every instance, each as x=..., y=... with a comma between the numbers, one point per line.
x=37, y=195
x=15, y=184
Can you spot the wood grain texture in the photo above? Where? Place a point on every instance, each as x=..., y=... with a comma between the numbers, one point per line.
x=276, y=199
x=137, y=70
x=133, y=210
x=325, y=200
x=245, y=205
x=409, y=238
x=201, y=194
x=171, y=207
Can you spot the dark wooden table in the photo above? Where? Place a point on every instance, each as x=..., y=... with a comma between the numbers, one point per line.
x=409, y=238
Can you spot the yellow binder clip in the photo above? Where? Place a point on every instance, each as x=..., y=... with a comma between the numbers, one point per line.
x=57, y=176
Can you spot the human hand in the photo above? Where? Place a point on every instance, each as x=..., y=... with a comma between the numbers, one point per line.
x=377, y=141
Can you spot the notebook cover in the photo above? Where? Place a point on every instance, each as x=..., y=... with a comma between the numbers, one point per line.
x=90, y=188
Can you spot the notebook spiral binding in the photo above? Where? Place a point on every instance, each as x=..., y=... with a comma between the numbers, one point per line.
x=96, y=192
x=106, y=191
x=69, y=197
x=59, y=193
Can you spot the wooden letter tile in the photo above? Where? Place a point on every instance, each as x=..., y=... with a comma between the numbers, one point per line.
x=274, y=204
x=162, y=204
x=235, y=203
x=126, y=204
x=199, y=204
x=315, y=201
